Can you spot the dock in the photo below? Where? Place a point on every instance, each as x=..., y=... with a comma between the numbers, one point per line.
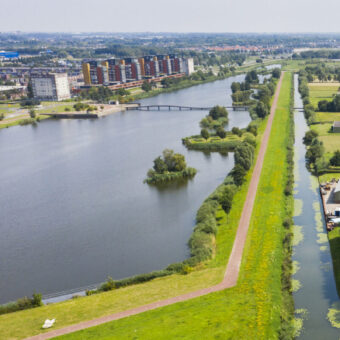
x=107, y=110
x=328, y=202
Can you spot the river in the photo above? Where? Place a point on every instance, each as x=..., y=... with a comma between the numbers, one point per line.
x=74, y=208
x=315, y=290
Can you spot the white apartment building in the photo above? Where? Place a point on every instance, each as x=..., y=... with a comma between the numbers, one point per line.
x=189, y=66
x=52, y=86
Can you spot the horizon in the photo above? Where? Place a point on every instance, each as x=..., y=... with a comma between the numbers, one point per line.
x=181, y=17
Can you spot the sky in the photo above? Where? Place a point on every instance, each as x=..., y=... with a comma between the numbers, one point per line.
x=170, y=15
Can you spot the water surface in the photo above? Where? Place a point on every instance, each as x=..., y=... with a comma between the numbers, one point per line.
x=74, y=208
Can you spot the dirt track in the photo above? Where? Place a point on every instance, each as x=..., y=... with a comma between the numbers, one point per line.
x=233, y=267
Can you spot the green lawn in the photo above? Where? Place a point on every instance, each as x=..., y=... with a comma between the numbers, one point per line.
x=252, y=309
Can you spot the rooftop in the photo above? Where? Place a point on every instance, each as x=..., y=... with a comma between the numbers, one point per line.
x=336, y=124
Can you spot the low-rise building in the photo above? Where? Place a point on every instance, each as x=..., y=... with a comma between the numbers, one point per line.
x=51, y=86
x=336, y=126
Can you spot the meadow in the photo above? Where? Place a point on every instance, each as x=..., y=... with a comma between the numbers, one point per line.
x=322, y=91
x=324, y=120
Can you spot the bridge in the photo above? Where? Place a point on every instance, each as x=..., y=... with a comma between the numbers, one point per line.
x=181, y=108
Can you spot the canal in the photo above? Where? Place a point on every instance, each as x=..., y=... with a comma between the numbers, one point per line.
x=313, y=283
x=74, y=208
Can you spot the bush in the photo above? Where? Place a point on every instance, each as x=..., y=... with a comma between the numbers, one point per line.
x=236, y=131
x=220, y=132
x=187, y=269
x=335, y=160
x=205, y=133
x=21, y=304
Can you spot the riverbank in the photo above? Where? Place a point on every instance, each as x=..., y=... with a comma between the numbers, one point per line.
x=6, y=123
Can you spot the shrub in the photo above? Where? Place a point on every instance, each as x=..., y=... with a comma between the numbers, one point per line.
x=205, y=133
x=187, y=269
x=220, y=132
x=21, y=304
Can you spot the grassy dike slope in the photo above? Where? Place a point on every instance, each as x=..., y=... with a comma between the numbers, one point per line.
x=28, y=322
x=253, y=309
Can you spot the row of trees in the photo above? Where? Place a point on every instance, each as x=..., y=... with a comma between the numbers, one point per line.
x=332, y=106
x=244, y=157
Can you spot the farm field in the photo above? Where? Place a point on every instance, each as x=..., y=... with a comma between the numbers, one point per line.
x=327, y=117
x=322, y=91
x=330, y=140
x=254, y=308
x=325, y=91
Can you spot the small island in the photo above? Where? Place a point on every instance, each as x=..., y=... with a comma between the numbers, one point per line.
x=171, y=167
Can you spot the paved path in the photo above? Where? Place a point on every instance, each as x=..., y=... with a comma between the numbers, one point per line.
x=233, y=267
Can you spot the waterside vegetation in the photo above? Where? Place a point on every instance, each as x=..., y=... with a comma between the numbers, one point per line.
x=172, y=166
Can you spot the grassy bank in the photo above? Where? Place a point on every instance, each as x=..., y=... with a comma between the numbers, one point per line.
x=334, y=241
x=254, y=308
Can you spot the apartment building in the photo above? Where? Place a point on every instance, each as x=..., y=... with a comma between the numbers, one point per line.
x=113, y=71
x=50, y=86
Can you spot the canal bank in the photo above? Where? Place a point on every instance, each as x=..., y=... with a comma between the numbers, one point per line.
x=313, y=280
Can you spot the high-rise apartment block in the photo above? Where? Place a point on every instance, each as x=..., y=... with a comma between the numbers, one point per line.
x=50, y=86
x=113, y=71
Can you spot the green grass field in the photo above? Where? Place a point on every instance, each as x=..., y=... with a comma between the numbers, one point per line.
x=330, y=140
x=334, y=241
x=252, y=309
x=325, y=91
x=327, y=117
x=322, y=91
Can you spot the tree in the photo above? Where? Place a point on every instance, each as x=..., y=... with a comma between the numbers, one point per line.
x=30, y=90
x=309, y=137
x=122, y=92
x=235, y=86
x=261, y=109
x=166, y=82
x=218, y=112
x=220, y=132
x=205, y=133
x=238, y=174
x=236, y=131
x=335, y=160
x=146, y=86
x=159, y=165
x=244, y=155
x=252, y=77
x=226, y=199
x=32, y=113
x=179, y=162
x=276, y=73
x=315, y=151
